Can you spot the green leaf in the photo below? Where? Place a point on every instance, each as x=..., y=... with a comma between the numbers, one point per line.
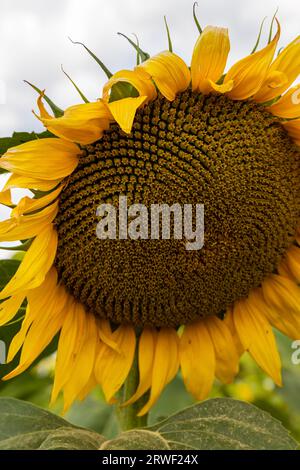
x=138, y=439
x=26, y=427
x=8, y=267
x=219, y=423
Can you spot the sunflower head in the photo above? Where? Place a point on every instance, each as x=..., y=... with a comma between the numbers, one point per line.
x=162, y=134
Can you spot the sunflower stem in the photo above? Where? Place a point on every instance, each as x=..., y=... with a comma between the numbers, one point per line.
x=127, y=415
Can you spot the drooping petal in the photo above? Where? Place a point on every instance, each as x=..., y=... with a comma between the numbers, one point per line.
x=281, y=293
x=10, y=307
x=82, y=123
x=43, y=328
x=27, y=205
x=165, y=365
x=18, y=181
x=227, y=358
x=288, y=106
x=84, y=359
x=27, y=226
x=124, y=111
x=111, y=367
x=141, y=82
x=169, y=72
x=293, y=129
x=257, y=337
x=249, y=73
x=38, y=300
x=47, y=159
x=35, y=264
x=288, y=322
x=146, y=354
x=66, y=347
x=197, y=359
x=282, y=73
x=209, y=60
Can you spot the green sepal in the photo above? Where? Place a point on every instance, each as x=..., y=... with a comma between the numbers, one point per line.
x=55, y=109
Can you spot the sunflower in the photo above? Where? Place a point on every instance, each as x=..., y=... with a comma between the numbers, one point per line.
x=162, y=133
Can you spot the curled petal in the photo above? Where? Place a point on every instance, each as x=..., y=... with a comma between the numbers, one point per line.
x=288, y=106
x=209, y=60
x=82, y=123
x=124, y=111
x=141, y=82
x=249, y=73
x=169, y=72
x=282, y=73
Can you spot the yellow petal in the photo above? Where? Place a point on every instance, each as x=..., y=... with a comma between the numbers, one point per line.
x=72, y=325
x=27, y=226
x=293, y=129
x=5, y=197
x=227, y=358
x=257, y=337
x=249, y=73
x=228, y=320
x=42, y=330
x=147, y=343
x=10, y=307
x=165, y=365
x=209, y=58
x=288, y=106
x=18, y=181
x=285, y=321
x=84, y=359
x=282, y=73
x=35, y=264
x=281, y=293
x=142, y=83
x=47, y=159
x=197, y=359
x=106, y=335
x=27, y=205
x=111, y=367
x=124, y=111
x=169, y=72
x=82, y=123
x=38, y=299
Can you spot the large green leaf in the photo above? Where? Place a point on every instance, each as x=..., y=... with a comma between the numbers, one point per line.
x=25, y=426
x=214, y=424
x=220, y=423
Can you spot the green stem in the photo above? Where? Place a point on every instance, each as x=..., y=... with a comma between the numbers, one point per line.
x=127, y=415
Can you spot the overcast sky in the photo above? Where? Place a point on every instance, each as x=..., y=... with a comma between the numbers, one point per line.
x=34, y=42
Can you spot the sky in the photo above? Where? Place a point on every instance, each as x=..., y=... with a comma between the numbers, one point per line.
x=34, y=43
